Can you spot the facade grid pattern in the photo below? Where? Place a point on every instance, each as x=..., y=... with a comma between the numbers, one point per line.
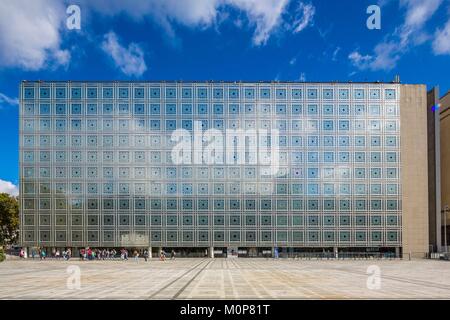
x=96, y=165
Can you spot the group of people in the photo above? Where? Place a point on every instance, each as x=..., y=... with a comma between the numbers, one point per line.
x=106, y=254
x=42, y=254
x=95, y=254
x=162, y=255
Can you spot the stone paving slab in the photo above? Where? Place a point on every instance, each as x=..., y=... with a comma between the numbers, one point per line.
x=242, y=278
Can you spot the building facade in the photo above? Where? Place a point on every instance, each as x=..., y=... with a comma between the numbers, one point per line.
x=434, y=170
x=243, y=165
x=444, y=216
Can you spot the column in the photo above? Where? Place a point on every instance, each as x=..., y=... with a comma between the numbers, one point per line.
x=211, y=252
x=149, y=252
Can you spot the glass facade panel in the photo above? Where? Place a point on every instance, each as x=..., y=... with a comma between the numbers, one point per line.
x=260, y=164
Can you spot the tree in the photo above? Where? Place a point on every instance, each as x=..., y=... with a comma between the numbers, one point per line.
x=9, y=219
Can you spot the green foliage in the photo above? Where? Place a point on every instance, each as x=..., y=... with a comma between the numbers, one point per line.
x=9, y=219
x=2, y=255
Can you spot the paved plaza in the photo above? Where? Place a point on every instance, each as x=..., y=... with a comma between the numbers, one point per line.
x=241, y=278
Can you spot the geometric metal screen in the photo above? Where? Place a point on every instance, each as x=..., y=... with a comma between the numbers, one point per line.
x=199, y=164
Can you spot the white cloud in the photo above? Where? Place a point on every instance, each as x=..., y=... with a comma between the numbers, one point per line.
x=265, y=16
x=186, y=12
x=306, y=13
x=30, y=34
x=410, y=33
x=335, y=53
x=386, y=56
x=293, y=61
x=360, y=61
x=441, y=43
x=419, y=11
x=129, y=60
x=4, y=99
x=62, y=57
x=8, y=187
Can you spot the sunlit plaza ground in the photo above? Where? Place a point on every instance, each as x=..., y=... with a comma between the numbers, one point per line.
x=241, y=278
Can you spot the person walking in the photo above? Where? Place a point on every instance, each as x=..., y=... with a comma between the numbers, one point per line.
x=172, y=255
x=145, y=255
x=136, y=256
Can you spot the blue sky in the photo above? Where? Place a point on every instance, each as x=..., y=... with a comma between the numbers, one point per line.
x=312, y=40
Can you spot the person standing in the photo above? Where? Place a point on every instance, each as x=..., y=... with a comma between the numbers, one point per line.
x=172, y=255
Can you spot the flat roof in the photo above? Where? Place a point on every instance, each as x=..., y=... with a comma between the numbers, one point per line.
x=446, y=94
x=215, y=81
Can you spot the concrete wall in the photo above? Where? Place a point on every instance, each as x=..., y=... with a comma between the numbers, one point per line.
x=445, y=157
x=433, y=170
x=414, y=167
